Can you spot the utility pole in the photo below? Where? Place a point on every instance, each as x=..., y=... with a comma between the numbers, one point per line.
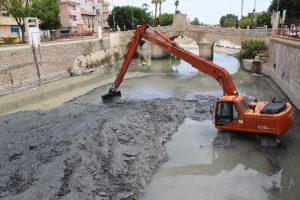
x=131, y=18
x=113, y=15
x=253, y=13
x=277, y=5
x=242, y=7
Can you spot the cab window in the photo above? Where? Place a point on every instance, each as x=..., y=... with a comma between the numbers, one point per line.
x=226, y=113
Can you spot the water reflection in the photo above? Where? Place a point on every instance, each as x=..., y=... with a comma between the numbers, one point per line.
x=176, y=78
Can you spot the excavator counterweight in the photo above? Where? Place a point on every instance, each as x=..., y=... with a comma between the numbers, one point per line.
x=231, y=112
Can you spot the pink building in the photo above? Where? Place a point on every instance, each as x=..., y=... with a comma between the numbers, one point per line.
x=106, y=12
x=70, y=15
x=78, y=16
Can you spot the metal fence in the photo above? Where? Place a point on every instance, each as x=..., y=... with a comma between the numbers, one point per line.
x=12, y=40
x=45, y=38
x=289, y=33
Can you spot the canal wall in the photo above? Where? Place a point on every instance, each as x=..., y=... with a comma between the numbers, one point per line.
x=283, y=67
x=23, y=67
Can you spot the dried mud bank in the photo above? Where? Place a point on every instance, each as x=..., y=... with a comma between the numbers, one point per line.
x=89, y=151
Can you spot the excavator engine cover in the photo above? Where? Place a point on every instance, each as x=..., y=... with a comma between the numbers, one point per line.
x=273, y=108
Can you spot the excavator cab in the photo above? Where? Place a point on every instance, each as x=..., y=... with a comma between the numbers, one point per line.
x=235, y=114
x=226, y=112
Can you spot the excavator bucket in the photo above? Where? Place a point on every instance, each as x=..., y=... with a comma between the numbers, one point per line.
x=110, y=96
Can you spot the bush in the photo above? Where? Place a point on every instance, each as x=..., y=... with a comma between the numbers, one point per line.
x=95, y=63
x=250, y=48
x=107, y=59
x=10, y=40
x=244, y=23
x=117, y=56
x=166, y=19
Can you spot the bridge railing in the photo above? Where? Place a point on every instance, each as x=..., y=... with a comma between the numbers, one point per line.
x=288, y=33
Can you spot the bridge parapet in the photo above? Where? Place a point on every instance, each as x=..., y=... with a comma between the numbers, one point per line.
x=206, y=36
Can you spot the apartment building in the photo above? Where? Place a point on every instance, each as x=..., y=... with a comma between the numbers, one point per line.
x=90, y=23
x=70, y=15
x=79, y=16
x=106, y=12
x=8, y=25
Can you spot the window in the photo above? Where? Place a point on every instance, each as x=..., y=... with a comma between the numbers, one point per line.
x=5, y=14
x=73, y=18
x=98, y=12
x=235, y=112
x=244, y=105
x=14, y=30
x=226, y=113
x=224, y=110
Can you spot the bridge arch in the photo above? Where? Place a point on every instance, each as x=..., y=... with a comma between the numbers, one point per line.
x=187, y=43
x=226, y=46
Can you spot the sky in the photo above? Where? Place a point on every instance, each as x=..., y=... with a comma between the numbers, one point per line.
x=207, y=11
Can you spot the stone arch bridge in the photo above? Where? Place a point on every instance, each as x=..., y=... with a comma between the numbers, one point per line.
x=206, y=36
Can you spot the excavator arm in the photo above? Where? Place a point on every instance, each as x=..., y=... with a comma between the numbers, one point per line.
x=156, y=38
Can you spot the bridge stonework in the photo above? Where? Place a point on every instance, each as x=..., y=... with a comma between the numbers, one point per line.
x=206, y=36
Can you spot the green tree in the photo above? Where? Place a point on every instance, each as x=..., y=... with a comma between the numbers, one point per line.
x=263, y=19
x=176, y=5
x=48, y=12
x=166, y=19
x=127, y=17
x=245, y=22
x=229, y=20
x=19, y=9
x=250, y=48
x=292, y=7
x=195, y=21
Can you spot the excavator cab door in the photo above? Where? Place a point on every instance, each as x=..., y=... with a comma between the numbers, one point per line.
x=226, y=113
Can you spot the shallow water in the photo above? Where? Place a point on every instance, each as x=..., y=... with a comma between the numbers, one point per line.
x=197, y=170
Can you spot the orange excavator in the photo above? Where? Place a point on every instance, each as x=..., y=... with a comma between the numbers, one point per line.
x=231, y=112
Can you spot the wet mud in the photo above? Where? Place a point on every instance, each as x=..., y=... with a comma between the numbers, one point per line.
x=89, y=151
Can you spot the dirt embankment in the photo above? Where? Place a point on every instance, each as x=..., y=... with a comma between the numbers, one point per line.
x=87, y=151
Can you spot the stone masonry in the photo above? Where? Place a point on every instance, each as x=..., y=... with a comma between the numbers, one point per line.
x=23, y=67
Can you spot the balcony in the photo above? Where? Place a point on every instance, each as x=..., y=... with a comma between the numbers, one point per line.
x=7, y=21
x=71, y=2
x=73, y=12
x=105, y=3
x=106, y=11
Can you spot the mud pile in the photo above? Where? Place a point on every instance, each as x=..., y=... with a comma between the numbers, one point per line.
x=88, y=151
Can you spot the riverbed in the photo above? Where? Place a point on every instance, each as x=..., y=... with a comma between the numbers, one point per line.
x=156, y=142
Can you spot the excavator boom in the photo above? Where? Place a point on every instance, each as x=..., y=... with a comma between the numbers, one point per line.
x=156, y=38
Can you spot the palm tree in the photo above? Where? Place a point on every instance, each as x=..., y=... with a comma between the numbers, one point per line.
x=160, y=2
x=176, y=5
x=155, y=2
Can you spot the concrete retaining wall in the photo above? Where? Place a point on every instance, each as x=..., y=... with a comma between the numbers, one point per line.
x=22, y=67
x=283, y=67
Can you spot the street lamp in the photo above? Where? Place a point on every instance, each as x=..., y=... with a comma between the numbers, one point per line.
x=277, y=5
x=252, y=19
x=113, y=15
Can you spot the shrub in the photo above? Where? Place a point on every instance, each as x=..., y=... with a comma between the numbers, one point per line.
x=107, y=58
x=10, y=40
x=244, y=23
x=250, y=48
x=117, y=56
x=94, y=63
